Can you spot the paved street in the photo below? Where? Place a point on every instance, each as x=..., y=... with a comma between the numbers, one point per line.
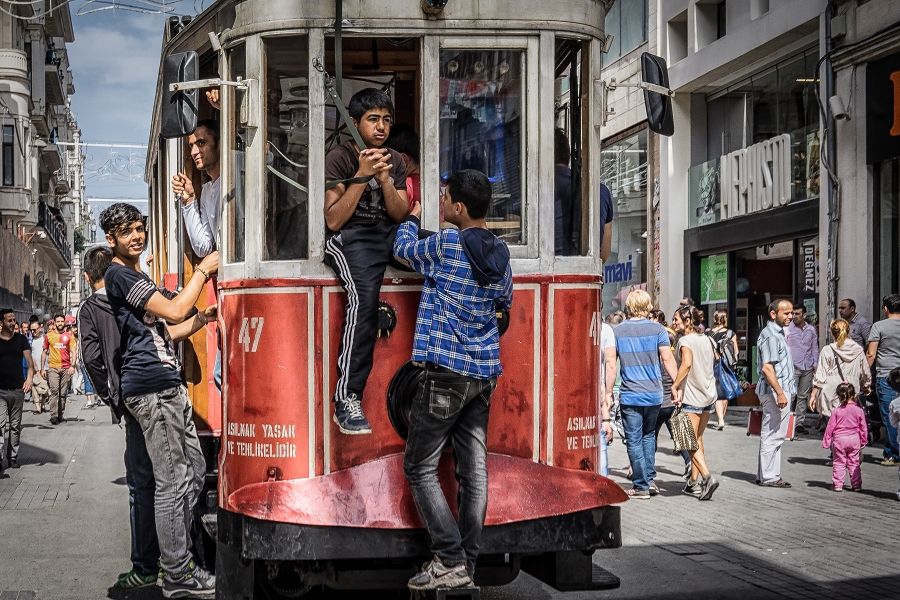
x=63, y=518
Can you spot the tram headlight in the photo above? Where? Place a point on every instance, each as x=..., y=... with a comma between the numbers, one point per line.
x=433, y=7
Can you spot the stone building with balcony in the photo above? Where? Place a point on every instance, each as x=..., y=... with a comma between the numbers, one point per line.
x=40, y=185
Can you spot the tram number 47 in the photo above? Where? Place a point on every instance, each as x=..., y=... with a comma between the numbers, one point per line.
x=251, y=330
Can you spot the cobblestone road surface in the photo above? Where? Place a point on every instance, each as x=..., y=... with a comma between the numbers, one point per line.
x=64, y=524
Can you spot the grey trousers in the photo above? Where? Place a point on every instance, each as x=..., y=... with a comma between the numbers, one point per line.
x=804, y=389
x=58, y=379
x=11, y=402
x=774, y=431
x=178, y=467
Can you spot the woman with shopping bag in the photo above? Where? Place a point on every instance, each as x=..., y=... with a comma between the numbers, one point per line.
x=696, y=355
x=841, y=360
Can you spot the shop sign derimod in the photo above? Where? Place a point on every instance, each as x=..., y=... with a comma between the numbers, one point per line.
x=756, y=178
x=714, y=279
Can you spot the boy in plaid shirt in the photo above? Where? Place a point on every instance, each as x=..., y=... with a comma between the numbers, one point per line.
x=467, y=278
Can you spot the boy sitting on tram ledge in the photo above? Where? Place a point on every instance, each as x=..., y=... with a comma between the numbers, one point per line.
x=361, y=213
x=467, y=277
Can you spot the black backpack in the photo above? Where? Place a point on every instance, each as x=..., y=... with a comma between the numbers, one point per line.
x=725, y=347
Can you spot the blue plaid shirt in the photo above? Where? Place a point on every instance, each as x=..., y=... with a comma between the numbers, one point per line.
x=456, y=326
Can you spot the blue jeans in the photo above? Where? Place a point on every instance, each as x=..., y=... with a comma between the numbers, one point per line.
x=141, y=490
x=885, y=395
x=179, y=469
x=604, y=455
x=450, y=406
x=640, y=441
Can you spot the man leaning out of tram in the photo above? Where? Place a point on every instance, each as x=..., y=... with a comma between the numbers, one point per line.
x=365, y=201
x=467, y=276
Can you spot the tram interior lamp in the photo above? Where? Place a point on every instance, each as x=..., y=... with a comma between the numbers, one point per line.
x=433, y=7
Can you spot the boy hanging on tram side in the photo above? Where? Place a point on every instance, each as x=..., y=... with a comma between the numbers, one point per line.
x=362, y=213
x=467, y=278
x=151, y=321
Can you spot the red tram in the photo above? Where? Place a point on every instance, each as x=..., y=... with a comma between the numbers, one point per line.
x=487, y=84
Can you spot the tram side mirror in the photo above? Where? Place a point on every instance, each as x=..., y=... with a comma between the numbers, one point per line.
x=179, y=109
x=659, y=106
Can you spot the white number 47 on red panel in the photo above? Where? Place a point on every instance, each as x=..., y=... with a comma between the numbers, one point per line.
x=251, y=328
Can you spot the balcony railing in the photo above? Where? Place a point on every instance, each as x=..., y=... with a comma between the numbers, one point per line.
x=56, y=231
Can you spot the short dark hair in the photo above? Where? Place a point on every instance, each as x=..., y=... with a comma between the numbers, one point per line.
x=799, y=306
x=851, y=303
x=119, y=215
x=892, y=303
x=213, y=127
x=33, y=319
x=59, y=316
x=96, y=261
x=893, y=379
x=368, y=99
x=473, y=189
x=561, y=152
x=403, y=139
x=4, y=312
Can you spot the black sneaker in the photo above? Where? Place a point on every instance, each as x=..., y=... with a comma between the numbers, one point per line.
x=349, y=416
x=193, y=583
x=436, y=575
x=13, y=464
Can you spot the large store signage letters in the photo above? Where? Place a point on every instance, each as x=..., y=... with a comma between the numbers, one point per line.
x=756, y=178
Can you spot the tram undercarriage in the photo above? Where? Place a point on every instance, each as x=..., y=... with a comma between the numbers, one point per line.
x=292, y=560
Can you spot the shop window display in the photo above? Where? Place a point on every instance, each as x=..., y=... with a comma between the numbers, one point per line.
x=624, y=171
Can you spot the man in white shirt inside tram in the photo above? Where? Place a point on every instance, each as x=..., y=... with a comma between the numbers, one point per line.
x=201, y=217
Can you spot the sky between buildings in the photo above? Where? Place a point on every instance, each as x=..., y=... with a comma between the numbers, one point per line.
x=115, y=62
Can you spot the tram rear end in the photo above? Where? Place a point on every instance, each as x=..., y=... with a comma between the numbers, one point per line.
x=300, y=506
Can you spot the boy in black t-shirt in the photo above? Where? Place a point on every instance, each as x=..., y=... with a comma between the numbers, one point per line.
x=365, y=200
x=151, y=320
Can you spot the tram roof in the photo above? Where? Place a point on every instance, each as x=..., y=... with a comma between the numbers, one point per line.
x=233, y=19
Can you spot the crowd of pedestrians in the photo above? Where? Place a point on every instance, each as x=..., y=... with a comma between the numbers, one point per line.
x=650, y=373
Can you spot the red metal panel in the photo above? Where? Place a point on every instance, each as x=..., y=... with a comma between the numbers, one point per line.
x=390, y=354
x=267, y=387
x=576, y=369
x=376, y=494
x=511, y=424
x=170, y=281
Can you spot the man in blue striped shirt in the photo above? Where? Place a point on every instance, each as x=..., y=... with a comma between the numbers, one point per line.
x=467, y=277
x=643, y=349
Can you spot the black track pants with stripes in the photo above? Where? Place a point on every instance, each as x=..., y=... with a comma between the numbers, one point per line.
x=359, y=256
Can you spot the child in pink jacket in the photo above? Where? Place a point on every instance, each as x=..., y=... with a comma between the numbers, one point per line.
x=846, y=435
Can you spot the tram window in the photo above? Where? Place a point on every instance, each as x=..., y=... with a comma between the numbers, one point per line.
x=237, y=67
x=287, y=153
x=570, y=228
x=482, y=127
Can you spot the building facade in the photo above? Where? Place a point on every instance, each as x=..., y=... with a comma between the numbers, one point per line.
x=781, y=180
x=630, y=155
x=41, y=206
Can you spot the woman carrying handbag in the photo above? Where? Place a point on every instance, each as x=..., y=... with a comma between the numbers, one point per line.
x=696, y=355
x=841, y=360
